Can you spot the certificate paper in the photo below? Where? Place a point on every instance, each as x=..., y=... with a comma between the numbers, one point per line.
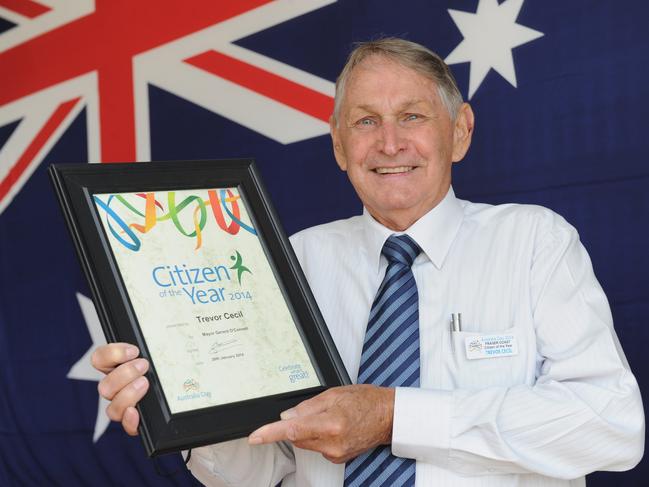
x=215, y=321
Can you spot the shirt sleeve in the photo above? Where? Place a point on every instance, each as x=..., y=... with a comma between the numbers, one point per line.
x=238, y=464
x=584, y=412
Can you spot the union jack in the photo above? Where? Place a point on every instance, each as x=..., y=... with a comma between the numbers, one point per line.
x=64, y=56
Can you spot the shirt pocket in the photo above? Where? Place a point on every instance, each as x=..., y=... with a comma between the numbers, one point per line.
x=494, y=371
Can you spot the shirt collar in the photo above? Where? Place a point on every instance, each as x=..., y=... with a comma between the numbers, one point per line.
x=434, y=232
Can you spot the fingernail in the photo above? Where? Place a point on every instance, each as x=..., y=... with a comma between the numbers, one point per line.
x=139, y=383
x=255, y=439
x=131, y=352
x=141, y=365
x=288, y=414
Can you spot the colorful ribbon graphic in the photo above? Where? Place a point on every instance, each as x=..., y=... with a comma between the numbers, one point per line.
x=125, y=233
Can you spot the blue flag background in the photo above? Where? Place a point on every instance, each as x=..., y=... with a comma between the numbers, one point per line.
x=571, y=135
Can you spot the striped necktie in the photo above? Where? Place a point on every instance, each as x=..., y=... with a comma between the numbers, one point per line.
x=390, y=358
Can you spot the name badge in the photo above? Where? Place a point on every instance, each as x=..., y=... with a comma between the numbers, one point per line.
x=490, y=346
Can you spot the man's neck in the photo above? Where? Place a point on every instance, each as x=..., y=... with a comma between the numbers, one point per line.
x=401, y=220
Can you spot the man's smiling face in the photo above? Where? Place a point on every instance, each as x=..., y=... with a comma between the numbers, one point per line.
x=397, y=141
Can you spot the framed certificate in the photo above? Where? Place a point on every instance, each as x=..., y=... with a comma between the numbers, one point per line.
x=188, y=261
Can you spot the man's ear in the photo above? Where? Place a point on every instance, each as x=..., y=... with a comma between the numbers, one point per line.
x=339, y=153
x=462, y=132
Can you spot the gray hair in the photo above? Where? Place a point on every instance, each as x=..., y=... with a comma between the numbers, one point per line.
x=410, y=55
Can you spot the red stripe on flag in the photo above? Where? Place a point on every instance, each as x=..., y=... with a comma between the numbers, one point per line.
x=26, y=8
x=37, y=144
x=117, y=109
x=265, y=83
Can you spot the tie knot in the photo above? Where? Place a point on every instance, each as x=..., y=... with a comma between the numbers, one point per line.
x=401, y=249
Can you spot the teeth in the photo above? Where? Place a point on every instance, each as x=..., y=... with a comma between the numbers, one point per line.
x=393, y=170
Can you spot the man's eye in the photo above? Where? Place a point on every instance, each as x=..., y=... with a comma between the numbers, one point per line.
x=411, y=117
x=365, y=122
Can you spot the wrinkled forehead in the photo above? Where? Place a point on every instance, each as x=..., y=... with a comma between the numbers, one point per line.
x=379, y=79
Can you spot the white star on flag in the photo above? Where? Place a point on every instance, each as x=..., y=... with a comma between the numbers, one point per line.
x=490, y=34
x=83, y=370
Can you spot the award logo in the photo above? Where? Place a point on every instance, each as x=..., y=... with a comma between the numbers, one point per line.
x=238, y=266
x=197, y=283
x=131, y=217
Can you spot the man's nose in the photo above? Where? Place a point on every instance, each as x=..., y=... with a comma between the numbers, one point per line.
x=391, y=140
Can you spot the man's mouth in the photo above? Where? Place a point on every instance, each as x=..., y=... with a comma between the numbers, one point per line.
x=393, y=170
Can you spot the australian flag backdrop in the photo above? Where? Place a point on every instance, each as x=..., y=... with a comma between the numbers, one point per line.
x=561, y=95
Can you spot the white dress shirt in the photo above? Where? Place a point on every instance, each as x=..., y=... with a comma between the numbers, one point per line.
x=565, y=405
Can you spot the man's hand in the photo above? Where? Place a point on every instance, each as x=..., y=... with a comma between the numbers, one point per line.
x=341, y=423
x=124, y=384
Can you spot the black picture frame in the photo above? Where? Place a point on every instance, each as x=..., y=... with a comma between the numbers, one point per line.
x=160, y=430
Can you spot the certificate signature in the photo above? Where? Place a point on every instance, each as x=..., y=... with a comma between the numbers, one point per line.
x=218, y=347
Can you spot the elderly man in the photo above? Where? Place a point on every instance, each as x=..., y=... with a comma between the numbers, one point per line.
x=533, y=389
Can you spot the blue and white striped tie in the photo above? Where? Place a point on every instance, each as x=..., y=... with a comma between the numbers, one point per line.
x=390, y=358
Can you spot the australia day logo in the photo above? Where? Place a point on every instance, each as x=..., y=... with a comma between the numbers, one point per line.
x=475, y=345
x=191, y=390
x=191, y=385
